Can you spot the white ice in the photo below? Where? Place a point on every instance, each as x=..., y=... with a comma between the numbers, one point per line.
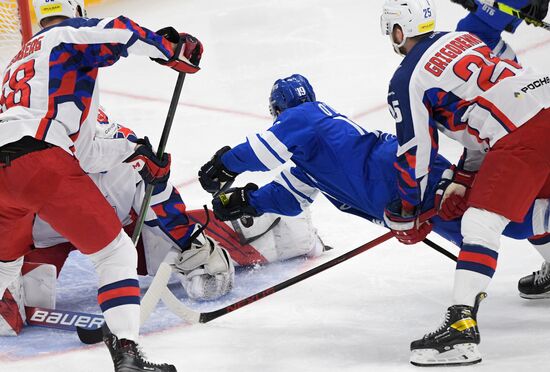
x=362, y=314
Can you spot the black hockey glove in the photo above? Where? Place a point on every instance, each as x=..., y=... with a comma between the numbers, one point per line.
x=187, y=53
x=214, y=175
x=236, y=205
x=152, y=169
x=470, y=5
x=537, y=9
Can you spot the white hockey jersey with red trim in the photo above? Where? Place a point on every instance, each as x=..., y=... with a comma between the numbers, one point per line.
x=49, y=89
x=450, y=82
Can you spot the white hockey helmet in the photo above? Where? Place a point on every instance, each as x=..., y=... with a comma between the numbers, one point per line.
x=58, y=8
x=415, y=17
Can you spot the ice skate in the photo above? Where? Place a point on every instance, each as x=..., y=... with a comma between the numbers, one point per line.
x=454, y=343
x=536, y=285
x=127, y=357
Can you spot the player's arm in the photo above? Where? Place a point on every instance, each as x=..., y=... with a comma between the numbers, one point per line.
x=417, y=147
x=102, y=42
x=114, y=144
x=260, y=153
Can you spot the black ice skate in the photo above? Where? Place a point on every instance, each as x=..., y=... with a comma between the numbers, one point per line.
x=128, y=358
x=454, y=342
x=536, y=285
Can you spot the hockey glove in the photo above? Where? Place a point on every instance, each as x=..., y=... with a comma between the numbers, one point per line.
x=187, y=51
x=236, y=205
x=407, y=229
x=537, y=9
x=152, y=169
x=214, y=175
x=452, y=192
x=468, y=4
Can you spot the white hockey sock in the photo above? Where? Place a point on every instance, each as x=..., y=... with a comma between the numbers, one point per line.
x=118, y=293
x=478, y=256
x=542, y=245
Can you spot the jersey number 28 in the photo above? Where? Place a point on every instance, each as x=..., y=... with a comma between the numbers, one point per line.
x=15, y=88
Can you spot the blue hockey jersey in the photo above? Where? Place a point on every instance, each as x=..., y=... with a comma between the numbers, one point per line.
x=489, y=23
x=353, y=168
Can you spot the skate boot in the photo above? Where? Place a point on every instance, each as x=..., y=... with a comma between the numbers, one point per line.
x=454, y=343
x=128, y=358
x=536, y=285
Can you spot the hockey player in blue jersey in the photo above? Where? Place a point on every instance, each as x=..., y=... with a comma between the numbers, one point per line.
x=353, y=168
x=489, y=23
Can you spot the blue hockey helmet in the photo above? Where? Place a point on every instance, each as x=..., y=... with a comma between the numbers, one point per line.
x=289, y=92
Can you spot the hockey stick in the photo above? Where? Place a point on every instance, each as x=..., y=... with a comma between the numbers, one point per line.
x=515, y=13
x=440, y=249
x=92, y=336
x=61, y=319
x=160, y=152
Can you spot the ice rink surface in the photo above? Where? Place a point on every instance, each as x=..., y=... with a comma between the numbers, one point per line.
x=362, y=314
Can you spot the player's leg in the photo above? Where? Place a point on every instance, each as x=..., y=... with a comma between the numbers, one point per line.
x=75, y=207
x=15, y=230
x=512, y=175
x=91, y=225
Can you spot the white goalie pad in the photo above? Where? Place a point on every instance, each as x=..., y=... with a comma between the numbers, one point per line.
x=290, y=237
x=12, y=308
x=39, y=282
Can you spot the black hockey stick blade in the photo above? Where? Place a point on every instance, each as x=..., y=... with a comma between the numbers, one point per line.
x=92, y=336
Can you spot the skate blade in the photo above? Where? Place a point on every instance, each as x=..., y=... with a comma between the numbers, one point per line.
x=534, y=296
x=459, y=355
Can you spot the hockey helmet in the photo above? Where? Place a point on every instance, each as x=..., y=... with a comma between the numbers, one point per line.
x=415, y=17
x=289, y=92
x=58, y=8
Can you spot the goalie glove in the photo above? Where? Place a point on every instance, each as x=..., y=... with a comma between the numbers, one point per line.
x=152, y=169
x=187, y=51
x=452, y=192
x=206, y=269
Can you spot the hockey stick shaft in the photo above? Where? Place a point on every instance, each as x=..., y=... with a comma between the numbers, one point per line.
x=516, y=13
x=160, y=152
x=440, y=249
x=151, y=298
x=196, y=317
x=209, y=316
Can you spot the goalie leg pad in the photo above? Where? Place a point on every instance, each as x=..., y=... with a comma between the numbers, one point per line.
x=39, y=282
x=12, y=309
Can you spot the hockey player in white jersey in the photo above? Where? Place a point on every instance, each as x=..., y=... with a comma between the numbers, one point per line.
x=48, y=109
x=488, y=24
x=450, y=82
